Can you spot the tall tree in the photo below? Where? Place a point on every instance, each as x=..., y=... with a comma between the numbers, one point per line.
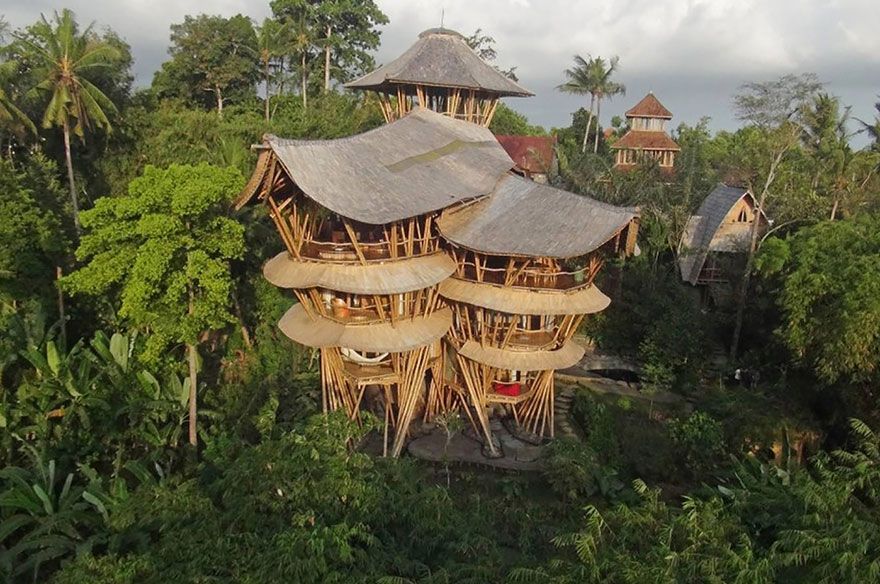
x=166, y=246
x=65, y=62
x=272, y=39
x=776, y=109
x=344, y=29
x=830, y=275
x=592, y=77
x=210, y=55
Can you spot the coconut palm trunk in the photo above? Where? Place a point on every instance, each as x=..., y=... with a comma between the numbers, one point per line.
x=267, y=89
x=305, y=81
x=598, y=111
x=65, y=130
x=327, y=61
x=589, y=123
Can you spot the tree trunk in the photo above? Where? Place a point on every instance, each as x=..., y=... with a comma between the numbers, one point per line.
x=219, y=94
x=598, y=111
x=753, y=246
x=267, y=90
x=589, y=123
x=327, y=61
x=61, y=315
x=244, y=331
x=193, y=408
x=191, y=349
x=65, y=130
x=305, y=81
x=834, y=208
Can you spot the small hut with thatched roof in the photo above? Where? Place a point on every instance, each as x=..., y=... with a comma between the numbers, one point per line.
x=718, y=235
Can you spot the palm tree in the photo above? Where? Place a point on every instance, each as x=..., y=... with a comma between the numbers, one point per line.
x=272, y=37
x=592, y=76
x=63, y=59
x=873, y=129
x=301, y=40
x=13, y=119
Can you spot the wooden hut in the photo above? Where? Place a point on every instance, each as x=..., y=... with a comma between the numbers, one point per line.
x=647, y=138
x=717, y=237
x=442, y=73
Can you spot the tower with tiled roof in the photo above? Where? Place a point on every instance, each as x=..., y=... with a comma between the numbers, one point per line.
x=647, y=138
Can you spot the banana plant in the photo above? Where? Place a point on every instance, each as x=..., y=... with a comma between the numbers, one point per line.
x=45, y=518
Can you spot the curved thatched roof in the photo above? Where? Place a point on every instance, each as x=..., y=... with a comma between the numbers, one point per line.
x=566, y=356
x=696, y=241
x=521, y=301
x=408, y=334
x=525, y=218
x=392, y=277
x=442, y=58
x=415, y=165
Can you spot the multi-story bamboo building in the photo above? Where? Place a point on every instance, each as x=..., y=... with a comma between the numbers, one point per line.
x=429, y=276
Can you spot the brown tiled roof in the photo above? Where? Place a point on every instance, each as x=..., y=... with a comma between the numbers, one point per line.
x=643, y=140
x=649, y=107
x=531, y=153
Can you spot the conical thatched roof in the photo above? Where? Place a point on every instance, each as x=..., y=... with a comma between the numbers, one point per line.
x=440, y=58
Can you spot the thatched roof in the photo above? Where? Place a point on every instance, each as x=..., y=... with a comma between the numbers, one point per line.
x=441, y=58
x=696, y=242
x=420, y=163
x=649, y=107
x=566, y=356
x=391, y=277
x=646, y=140
x=522, y=301
x=381, y=337
x=525, y=218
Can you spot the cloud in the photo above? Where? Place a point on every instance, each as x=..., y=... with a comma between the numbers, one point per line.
x=693, y=54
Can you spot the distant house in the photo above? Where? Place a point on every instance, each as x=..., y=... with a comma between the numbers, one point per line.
x=534, y=155
x=647, y=137
x=716, y=239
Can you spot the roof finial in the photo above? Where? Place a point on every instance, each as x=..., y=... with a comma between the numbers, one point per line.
x=442, y=16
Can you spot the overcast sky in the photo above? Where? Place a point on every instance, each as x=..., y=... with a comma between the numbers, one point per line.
x=693, y=54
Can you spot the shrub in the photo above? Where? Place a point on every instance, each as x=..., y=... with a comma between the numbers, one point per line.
x=571, y=469
x=702, y=439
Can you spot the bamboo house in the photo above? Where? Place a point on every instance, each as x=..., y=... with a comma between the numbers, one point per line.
x=428, y=274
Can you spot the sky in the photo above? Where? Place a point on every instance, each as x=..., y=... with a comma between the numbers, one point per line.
x=693, y=54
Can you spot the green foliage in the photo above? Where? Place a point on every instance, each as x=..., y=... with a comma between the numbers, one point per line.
x=700, y=438
x=32, y=242
x=64, y=59
x=43, y=519
x=345, y=29
x=165, y=248
x=509, y=122
x=571, y=469
x=830, y=283
x=213, y=59
x=597, y=425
